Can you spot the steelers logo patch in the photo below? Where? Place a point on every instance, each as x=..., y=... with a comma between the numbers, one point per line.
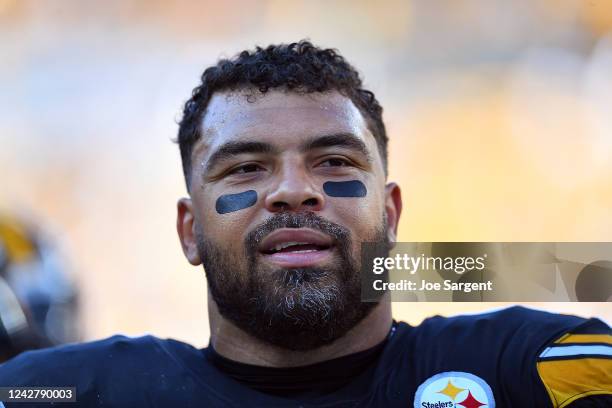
x=454, y=389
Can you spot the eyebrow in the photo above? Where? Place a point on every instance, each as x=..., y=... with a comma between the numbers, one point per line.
x=231, y=149
x=345, y=140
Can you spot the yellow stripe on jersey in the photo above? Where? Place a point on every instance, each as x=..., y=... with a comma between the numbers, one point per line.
x=569, y=380
x=585, y=338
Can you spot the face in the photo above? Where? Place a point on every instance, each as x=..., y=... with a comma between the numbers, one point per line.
x=284, y=189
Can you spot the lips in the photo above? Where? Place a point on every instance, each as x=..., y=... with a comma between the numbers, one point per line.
x=296, y=247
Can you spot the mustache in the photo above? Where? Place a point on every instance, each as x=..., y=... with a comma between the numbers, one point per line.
x=306, y=219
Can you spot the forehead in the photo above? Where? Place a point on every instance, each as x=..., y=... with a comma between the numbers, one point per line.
x=279, y=117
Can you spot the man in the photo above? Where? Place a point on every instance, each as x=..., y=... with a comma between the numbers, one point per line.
x=285, y=159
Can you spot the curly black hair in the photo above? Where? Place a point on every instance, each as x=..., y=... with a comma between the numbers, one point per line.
x=298, y=67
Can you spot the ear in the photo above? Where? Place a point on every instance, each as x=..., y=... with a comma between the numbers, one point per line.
x=393, y=208
x=186, y=228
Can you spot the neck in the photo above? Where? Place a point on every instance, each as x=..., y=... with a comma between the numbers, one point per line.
x=235, y=344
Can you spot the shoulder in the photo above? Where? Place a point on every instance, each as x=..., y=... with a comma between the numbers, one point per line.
x=65, y=364
x=519, y=351
x=117, y=371
x=514, y=326
x=503, y=321
x=505, y=336
x=576, y=368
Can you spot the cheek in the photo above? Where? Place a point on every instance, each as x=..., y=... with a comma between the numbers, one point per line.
x=229, y=203
x=226, y=219
x=359, y=208
x=227, y=234
x=362, y=216
x=351, y=188
x=351, y=202
x=363, y=219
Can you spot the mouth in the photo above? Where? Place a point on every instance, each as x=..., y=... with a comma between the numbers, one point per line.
x=296, y=247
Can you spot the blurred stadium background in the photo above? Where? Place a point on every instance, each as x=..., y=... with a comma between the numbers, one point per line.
x=499, y=115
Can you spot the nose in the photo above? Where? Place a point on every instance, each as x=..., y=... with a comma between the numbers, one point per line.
x=294, y=191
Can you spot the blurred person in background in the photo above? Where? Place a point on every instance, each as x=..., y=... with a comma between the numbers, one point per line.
x=38, y=302
x=285, y=159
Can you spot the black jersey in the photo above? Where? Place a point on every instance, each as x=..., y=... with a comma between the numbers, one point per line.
x=515, y=357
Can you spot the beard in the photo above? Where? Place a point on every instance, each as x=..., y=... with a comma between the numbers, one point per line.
x=292, y=308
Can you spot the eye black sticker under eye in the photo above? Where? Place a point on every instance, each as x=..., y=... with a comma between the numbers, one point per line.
x=352, y=188
x=233, y=202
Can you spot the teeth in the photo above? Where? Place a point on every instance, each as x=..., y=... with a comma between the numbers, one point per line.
x=288, y=244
